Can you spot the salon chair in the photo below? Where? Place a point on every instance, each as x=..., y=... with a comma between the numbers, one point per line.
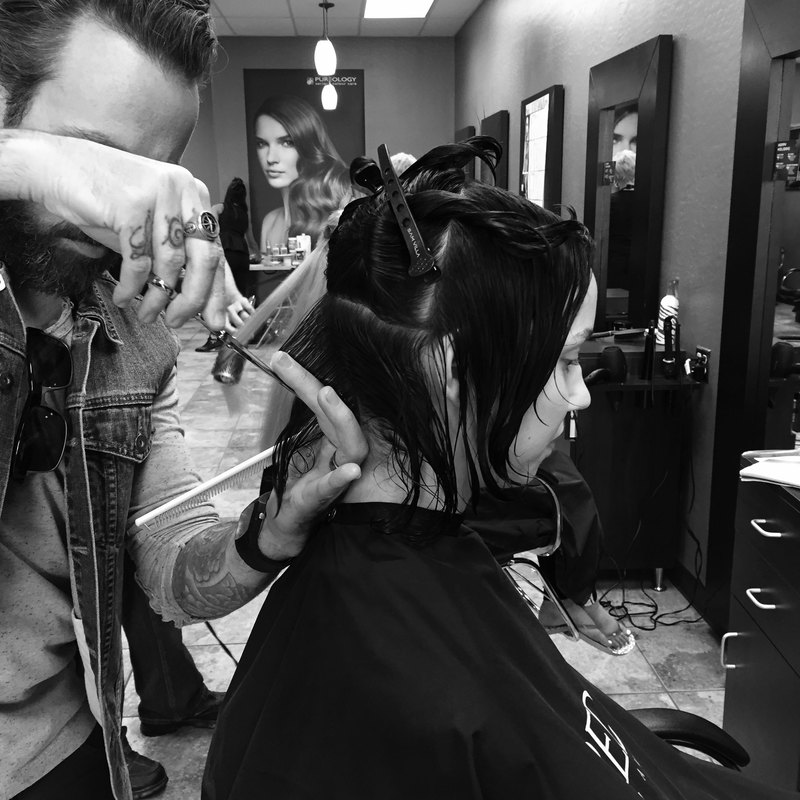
x=679, y=728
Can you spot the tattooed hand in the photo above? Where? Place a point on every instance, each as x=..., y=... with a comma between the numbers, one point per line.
x=131, y=204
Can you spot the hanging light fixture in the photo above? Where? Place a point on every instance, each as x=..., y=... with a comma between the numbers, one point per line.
x=330, y=97
x=324, y=54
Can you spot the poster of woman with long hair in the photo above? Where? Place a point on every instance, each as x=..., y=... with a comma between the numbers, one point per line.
x=299, y=153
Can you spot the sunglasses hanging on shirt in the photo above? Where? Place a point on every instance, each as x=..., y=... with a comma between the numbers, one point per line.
x=42, y=432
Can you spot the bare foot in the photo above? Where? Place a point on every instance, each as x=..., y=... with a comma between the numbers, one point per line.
x=617, y=635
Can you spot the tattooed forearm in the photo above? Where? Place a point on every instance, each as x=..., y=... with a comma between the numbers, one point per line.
x=141, y=240
x=205, y=582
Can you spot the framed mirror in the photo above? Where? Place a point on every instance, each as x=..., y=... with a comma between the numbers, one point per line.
x=626, y=154
x=540, y=148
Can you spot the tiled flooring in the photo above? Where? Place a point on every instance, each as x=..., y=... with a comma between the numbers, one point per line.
x=675, y=666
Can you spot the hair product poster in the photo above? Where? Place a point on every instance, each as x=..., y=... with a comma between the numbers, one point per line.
x=296, y=96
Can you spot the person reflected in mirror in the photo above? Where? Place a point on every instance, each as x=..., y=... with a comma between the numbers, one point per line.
x=626, y=129
x=620, y=226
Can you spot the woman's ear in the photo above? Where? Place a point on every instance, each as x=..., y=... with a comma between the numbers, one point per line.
x=451, y=381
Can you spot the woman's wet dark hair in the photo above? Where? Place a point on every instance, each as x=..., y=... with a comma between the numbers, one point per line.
x=512, y=277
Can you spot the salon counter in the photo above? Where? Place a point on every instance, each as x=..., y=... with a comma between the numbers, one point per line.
x=630, y=445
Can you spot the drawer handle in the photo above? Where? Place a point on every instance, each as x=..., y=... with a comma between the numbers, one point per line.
x=722, y=646
x=757, y=603
x=757, y=523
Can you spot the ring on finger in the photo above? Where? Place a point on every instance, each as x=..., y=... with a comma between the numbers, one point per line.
x=333, y=463
x=154, y=280
x=203, y=226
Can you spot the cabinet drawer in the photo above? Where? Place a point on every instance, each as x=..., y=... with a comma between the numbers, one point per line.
x=757, y=585
x=762, y=703
x=768, y=508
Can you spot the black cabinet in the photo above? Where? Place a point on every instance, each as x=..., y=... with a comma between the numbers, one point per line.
x=762, y=649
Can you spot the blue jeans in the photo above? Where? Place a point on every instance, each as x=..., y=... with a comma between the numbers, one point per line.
x=168, y=683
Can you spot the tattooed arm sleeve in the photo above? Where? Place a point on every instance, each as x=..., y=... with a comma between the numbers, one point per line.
x=187, y=564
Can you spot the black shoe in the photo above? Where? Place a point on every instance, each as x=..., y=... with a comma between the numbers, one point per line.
x=205, y=716
x=147, y=776
x=210, y=344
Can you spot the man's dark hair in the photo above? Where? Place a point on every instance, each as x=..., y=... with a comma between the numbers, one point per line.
x=175, y=33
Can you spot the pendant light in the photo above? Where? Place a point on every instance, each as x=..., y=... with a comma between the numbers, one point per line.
x=330, y=97
x=324, y=54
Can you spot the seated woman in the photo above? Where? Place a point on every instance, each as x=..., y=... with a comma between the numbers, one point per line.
x=393, y=659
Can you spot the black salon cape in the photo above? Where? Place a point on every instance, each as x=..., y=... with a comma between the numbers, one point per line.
x=381, y=670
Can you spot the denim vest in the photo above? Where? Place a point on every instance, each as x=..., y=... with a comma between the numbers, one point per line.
x=119, y=367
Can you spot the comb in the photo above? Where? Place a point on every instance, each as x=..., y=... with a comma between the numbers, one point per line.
x=250, y=467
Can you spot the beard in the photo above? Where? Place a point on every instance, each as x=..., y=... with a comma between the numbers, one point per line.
x=37, y=259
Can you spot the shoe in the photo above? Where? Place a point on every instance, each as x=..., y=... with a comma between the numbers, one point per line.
x=205, y=716
x=210, y=345
x=148, y=777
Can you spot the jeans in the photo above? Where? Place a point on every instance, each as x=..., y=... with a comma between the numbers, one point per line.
x=168, y=683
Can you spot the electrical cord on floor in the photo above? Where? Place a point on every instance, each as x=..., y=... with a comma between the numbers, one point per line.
x=221, y=643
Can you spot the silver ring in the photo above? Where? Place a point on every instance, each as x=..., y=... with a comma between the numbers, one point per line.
x=154, y=280
x=333, y=464
x=204, y=226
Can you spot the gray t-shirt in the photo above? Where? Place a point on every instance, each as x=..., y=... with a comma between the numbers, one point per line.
x=44, y=713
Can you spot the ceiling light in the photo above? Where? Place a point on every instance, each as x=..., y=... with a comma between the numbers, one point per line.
x=330, y=98
x=397, y=9
x=324, y=54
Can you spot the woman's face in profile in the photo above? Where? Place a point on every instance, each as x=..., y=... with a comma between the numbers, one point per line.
x=276, y=153
x=564, y=391
x=625, y=132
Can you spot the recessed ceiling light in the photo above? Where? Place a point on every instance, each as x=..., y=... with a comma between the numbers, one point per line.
x=397, y=9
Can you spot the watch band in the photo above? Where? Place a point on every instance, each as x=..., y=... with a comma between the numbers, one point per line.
x=247, y=544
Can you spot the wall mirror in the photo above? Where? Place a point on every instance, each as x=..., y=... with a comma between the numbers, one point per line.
x=626, y=153
x=541, y=142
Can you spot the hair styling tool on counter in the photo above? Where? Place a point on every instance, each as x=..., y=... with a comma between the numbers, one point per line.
x=248, y=468
x=669, y=364
x=648, y=364
x=648, y=358
x=621, y=333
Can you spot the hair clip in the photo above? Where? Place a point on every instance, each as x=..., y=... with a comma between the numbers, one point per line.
x=422, y=260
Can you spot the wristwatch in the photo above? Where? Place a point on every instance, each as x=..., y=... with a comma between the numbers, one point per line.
x=247, y=543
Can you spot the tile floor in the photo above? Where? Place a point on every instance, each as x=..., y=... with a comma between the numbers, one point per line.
x=676, y=666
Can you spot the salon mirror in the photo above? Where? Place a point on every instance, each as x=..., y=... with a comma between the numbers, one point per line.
x=541, y=143
x=626, y=153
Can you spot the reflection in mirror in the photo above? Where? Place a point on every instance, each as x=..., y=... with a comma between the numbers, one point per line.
x=541, y=135
x=783, y=417
x=621, y=213
x=626, y=151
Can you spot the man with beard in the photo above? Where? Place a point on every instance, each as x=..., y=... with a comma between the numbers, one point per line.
x=99, y=98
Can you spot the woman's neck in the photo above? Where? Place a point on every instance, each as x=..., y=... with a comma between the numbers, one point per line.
x=287, y=214
x=380, y=482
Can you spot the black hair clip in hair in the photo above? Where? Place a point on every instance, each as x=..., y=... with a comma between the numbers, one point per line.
x=422, y=260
